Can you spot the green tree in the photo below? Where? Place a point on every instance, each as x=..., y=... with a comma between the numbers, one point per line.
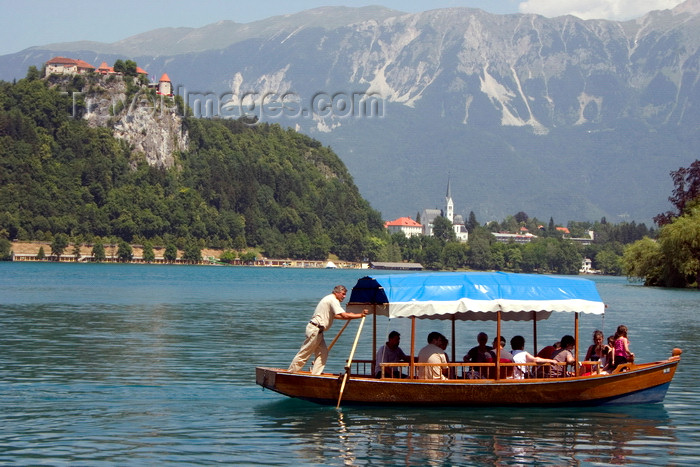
x=130, y=68
x=58, y=246
x=687, y=189
x=443, y=230
x=608, y=262
x=192, y=252
x=480, y=249
x=124, y=252
x=471, y=222
x=76, y=251
x=41, y=254
x=33, y=73
x=148, y=254
x=567, y=258
x=228, y=256
x=5, y=249
x=391, y=252
x=119, y=66
x=454, y=255
x=521, y=217
x=680, y=246
x=431, y=255
x=248, y=257
x=644, y=260
x=170, y=253
x=513, y=257
x=98, y=252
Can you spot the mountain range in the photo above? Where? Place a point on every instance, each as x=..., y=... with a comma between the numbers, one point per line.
x=556, y=117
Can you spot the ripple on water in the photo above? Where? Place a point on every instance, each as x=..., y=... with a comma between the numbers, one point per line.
x=140, y=366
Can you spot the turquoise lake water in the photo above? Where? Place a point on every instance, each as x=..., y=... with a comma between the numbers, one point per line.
x=155, y=365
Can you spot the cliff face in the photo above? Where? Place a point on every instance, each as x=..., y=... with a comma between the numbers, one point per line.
x=150, y=123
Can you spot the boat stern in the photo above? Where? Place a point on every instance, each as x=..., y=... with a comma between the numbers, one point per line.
x=265, y=377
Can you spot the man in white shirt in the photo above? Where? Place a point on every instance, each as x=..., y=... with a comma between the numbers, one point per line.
x=326, y=311
x=433, y=353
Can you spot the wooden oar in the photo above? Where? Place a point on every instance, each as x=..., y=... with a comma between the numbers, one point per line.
x=347, y=367
x=338, y=335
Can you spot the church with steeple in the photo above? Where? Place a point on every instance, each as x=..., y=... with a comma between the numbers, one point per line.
x=428, y=217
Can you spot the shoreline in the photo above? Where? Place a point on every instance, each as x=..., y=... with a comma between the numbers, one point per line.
x=28, y=251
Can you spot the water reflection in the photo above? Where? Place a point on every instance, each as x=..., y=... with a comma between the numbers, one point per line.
x=467, y=436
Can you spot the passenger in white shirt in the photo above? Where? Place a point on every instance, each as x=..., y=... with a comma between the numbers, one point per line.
x=520, y=356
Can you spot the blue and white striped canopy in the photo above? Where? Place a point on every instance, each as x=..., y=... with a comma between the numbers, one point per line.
x=474, y=295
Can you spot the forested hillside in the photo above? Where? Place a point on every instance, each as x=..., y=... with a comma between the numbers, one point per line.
x=237, y=186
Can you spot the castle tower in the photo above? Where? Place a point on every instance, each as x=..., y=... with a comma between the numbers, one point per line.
x=165, y=87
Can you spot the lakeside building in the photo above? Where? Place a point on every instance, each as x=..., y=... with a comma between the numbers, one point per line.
x=505, y=237
x=387, y=265
x=583, y=240
x=404, y=224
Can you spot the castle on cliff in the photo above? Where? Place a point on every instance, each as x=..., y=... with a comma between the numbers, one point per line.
x=72, y=66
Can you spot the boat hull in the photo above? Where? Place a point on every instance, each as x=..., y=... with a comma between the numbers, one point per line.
x=640, y=385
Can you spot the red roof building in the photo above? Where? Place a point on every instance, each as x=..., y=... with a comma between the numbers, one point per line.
x=105, y=69
x=67, y=66
x=404, y=224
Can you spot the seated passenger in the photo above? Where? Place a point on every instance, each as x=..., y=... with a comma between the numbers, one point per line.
x=390, y=353
x=565, y=356
x=548, y=350
x=521, y=356
x=504, y=357
x=595, y=351
x=622, y=348
x=449, y=372
x=608, y=355
x=502, y=352
x=432, y=353
x=478, y=354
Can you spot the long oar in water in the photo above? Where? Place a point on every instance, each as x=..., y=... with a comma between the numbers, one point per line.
x=347, y=367
x=335, y=339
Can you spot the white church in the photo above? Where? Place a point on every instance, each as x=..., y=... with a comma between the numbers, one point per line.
x=428, y=217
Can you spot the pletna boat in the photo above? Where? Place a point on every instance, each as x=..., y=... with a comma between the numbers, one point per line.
x=475, y=296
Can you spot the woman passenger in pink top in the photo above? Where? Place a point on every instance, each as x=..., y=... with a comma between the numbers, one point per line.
x=622, y=347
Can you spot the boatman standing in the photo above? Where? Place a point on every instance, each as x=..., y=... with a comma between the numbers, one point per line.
x=326, y=311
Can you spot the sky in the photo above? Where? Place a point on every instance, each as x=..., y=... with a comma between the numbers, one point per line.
x=27, y=23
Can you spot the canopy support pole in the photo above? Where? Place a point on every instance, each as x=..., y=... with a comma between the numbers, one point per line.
x=498, y=345
x=576, y=369
x=412, y=363
x=454, y=342
x=534, y=332
x=374, y=336
x=348, y=367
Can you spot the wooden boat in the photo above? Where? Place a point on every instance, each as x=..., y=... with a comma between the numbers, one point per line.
x=475, y=296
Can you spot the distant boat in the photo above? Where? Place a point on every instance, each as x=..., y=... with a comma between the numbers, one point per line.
x=331, y=265
x=475, y=296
